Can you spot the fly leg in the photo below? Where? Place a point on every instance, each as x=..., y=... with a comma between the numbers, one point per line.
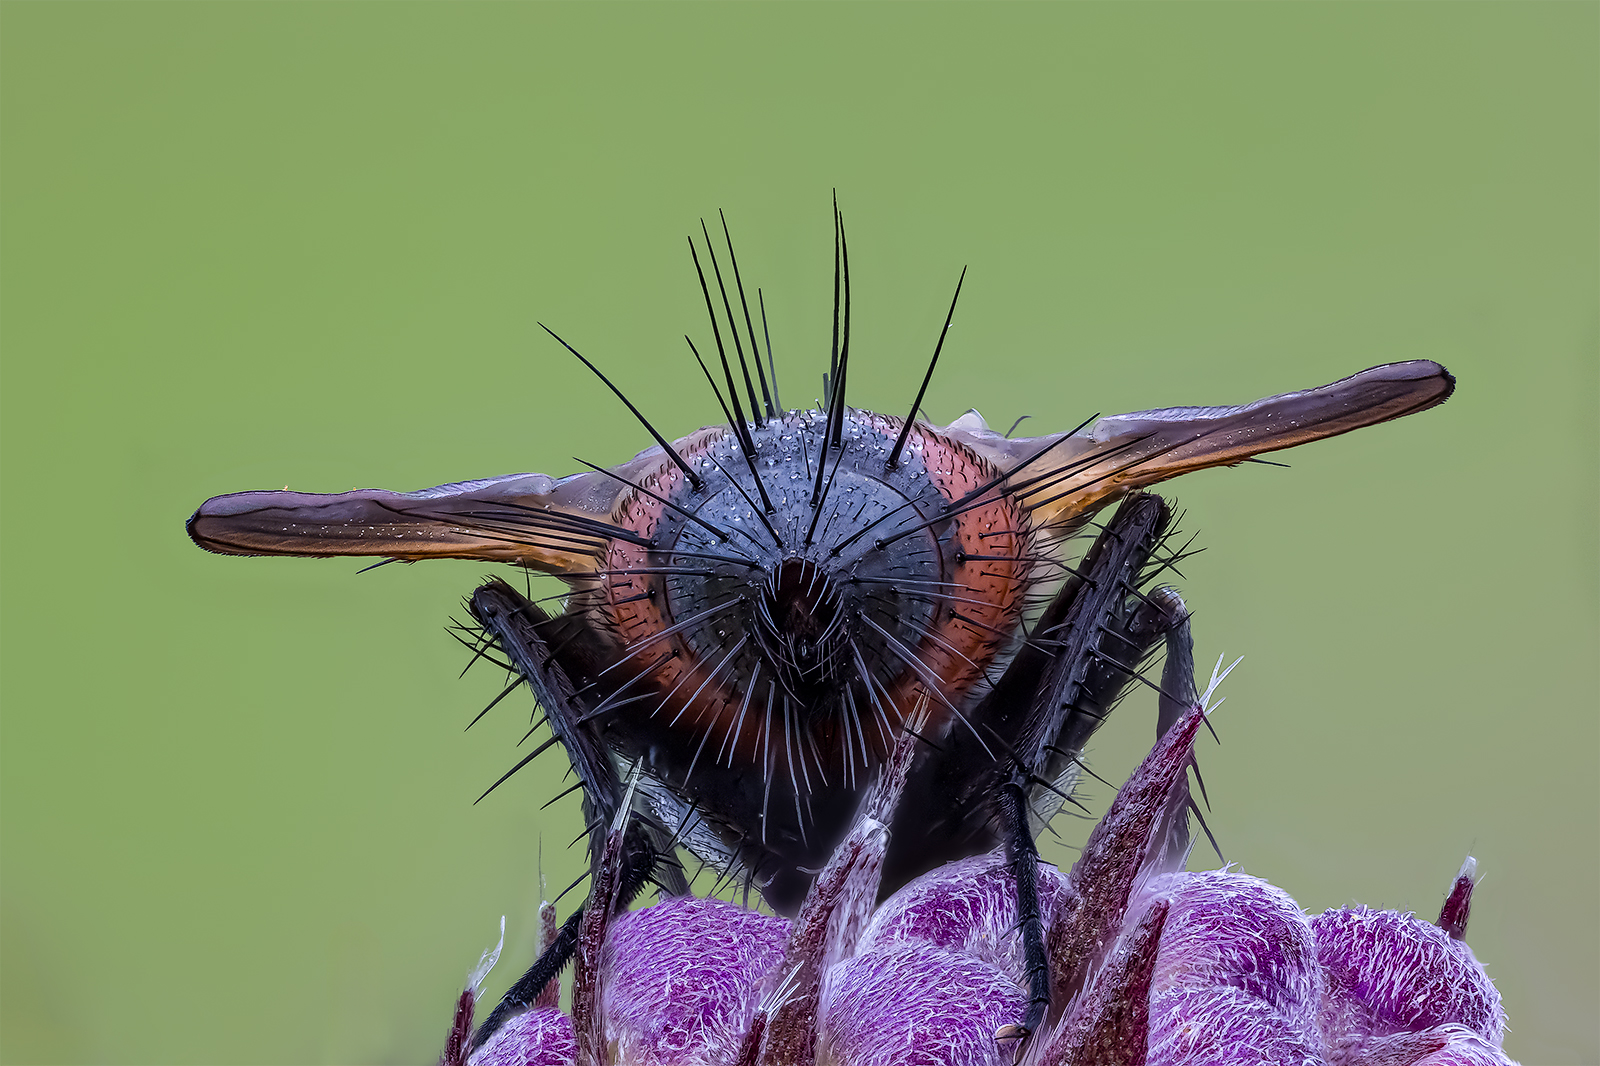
x=519, y=628
x=1103, y=627
x=1022, y=855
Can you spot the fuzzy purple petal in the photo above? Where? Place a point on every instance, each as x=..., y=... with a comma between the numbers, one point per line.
x=680, y=980
x=1228, y=928
x=1224, y=1026
x=915, y=1005
x=967, y=907
x=1465, y=1048
x=1386, y=972
x=540, y=1037
x=1444, y=1045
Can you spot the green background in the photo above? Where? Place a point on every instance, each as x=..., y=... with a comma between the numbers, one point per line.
x=249, y=245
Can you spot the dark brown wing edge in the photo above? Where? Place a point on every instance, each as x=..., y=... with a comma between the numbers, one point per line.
x=530, y=519
x=1119, y=454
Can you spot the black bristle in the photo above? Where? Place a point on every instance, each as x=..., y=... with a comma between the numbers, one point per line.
x=526, y=759
x=905, y=430
x=833, y=357
x=720, y=534
x=740, y=429
x=771, y=366
x=755, y=349
x=669, y=449
x=816, y=510
x=733, y=327
x=508, y=690
x=836, y=407
x=727, y=414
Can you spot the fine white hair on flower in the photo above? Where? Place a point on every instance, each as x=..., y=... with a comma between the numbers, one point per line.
x=488, y=960
x=1216, y=680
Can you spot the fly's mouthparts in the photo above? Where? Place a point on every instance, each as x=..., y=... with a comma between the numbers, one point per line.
x=802, y=624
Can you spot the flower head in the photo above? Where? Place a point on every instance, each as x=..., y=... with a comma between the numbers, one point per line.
x=1150, y=965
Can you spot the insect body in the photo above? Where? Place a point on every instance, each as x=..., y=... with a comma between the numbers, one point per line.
x=760, y=609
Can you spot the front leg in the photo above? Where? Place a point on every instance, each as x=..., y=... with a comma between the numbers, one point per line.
x=518, y=627
x=1100, y=629
x=1022, y=855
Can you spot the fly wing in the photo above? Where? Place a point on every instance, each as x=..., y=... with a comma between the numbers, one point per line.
x=559, y=526
x=531, y=519
x=1063, y=482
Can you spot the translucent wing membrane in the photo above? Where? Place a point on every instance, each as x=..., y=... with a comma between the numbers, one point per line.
x=1116, y=455
x=529, y=519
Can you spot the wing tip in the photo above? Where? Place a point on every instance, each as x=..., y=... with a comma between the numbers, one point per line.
x=193, y=526
x=210, y=522
x=1432, y=381
x=1447, y=381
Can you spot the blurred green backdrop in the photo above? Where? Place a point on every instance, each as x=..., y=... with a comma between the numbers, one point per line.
x=248, y=245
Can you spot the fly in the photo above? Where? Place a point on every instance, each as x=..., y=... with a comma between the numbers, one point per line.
x=760, y=609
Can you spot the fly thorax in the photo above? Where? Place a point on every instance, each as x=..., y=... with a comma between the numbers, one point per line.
x=771, y=601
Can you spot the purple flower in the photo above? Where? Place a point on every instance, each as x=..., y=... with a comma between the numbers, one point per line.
x=680, y=981
x=1236, y=975
x=540, y=1037
x=1150, y=966
x=1392, y=979
x=968, y=908
x=915, y=1003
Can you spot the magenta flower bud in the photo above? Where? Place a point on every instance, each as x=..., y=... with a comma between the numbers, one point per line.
x=833, y=916
x=680, y=980
x=457, y=1041
x=917, y=1005
x=1236, y=977
x=1225, y=1026
x=1148, y=966
x=541, y=1037
x=1116, y=856
x=1227, y=928
x=1110, y=1021
x=1387, y=973
x=968, y=907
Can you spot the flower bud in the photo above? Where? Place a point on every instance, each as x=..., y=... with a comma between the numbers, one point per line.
x=912, y=1004
x=540, y=1037
x=680, y=980
x=968, y=907
x=1149, y=966
x=1387, y=973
